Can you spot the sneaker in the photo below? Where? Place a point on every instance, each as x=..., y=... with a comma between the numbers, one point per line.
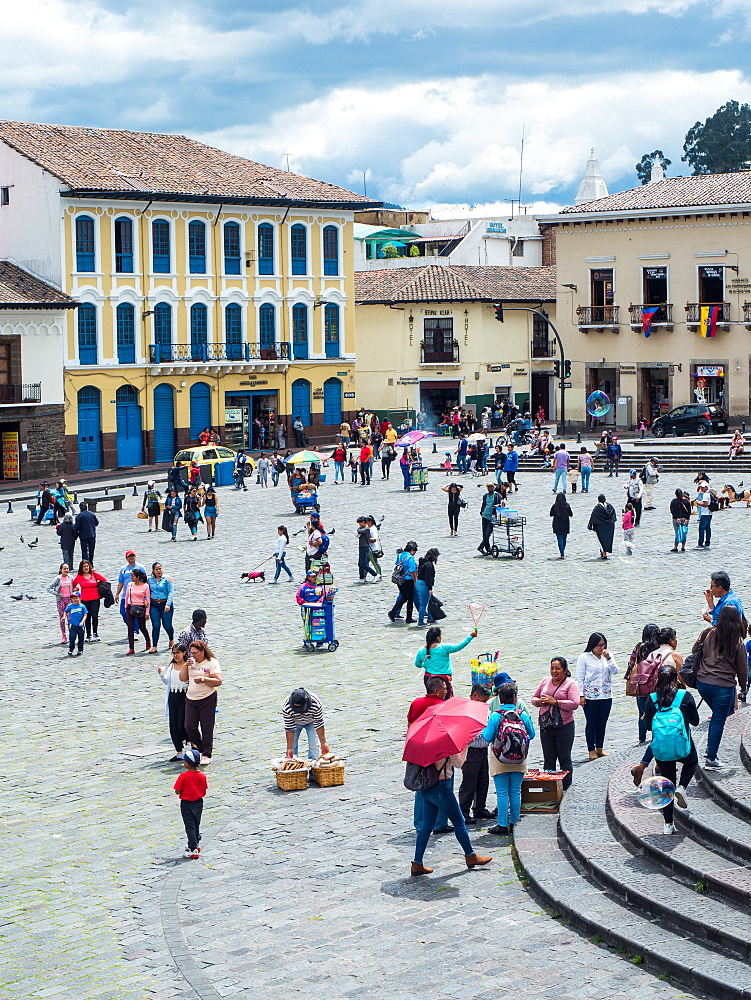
x=205, y=760
x=668, y=828
x=713, y=763
x=680, y=797
x=95, y=638
x=469, y=821
x=70, y=652
x=499, y=831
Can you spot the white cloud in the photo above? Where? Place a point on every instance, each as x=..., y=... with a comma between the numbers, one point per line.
x=458, y=139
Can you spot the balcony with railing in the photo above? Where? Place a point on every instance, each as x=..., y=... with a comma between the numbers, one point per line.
x=543, y=348
x=597, y=317
x=29, y=393
x=663, y=316
x=747, y=314
x=160, y=354
x=693, y=312
x=439, y=353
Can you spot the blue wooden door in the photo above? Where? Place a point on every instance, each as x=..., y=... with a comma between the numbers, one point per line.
x=200, y=408
x=332, y=401
x=89, y=429
x=129, y=427
x=301, y=400
x=164, y=423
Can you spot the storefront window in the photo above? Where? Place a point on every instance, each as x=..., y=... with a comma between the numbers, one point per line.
x=708, y=384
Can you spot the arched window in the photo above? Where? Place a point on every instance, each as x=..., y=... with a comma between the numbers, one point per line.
x=197, y=247
x=123, y=246
x=84, y=243
x=233, y=332
x=331, y=328
x=330, y=250
x=231, y=248
x=161, y=246
x=126, y=334
x=299, y=249
x=301, y=400
x=87, y=347
x=299, y=331
x=162, y=332
x=265, y=248
x=199, y=329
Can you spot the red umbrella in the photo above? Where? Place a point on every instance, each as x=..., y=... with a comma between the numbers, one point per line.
x=443, y=730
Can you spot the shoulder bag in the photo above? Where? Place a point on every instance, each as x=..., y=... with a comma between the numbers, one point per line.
x=418, y=778
x=551, y=719
x=690, y=666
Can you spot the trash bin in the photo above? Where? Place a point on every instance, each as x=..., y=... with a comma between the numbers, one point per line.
x=223, y=473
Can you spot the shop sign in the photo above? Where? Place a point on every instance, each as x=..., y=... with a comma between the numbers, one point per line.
x=520, y=371
x=709, y=371
x=263, y=381
x=495, y=368
x=318, y=394
x=233, y=415
x=349, y=395
x=342, y=374
x=740, y=285
x=495, y=227
x=628, y=369
x=11, y=464
x=407, y=381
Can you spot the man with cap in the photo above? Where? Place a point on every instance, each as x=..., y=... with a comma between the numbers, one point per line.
x=315, y=539
x=303, y=710
x=124, y=578
x=650, y=476
x=635, y=492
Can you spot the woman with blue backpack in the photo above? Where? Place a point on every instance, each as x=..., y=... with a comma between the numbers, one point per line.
x=508, y=732
x=668, y=715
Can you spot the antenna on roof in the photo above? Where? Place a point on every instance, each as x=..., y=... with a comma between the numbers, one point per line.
x=521, y=169
x=364, y=185
x=287, y=155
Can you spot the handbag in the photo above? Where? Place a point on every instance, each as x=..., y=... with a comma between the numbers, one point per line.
x=690, y=666
x=136, y=610
x=551, y=719
x=435, y=609
x=418, y=778
x=142, y=514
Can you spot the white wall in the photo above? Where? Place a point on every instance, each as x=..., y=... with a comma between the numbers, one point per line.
x=30, y=223
x=42, y=348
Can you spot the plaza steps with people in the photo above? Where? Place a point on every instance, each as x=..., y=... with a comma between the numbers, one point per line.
x=677, y=904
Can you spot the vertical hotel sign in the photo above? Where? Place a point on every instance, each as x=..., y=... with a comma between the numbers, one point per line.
x=11, y=468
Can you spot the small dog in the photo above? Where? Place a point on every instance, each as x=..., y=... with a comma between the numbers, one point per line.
x=255, y=575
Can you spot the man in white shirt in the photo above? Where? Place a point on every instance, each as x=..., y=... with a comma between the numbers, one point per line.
x=703, y=499
x=635, y=491
x=314, y=543
x=650, y=478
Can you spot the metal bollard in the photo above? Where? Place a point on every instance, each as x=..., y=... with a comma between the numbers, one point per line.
x=578, y=437
x=135, y=491
x=743, y=427
x=75, y=497
x=10, y=508
x=435, y=450
x=106, y=491
x=675, y=433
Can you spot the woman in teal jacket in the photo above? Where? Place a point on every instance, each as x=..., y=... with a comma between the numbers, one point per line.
x=435, y=656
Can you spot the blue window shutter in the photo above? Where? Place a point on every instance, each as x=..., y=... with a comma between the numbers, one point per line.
x=198, y=331
x=265, y=248
x=87, y=347
x=162, y=332
x=300, y=331
x=332, y=401
x=330, y=250
x=126, y=334
x=231, y=248
x=164, y=422
x=197, y=247
x=267, y=325
x=301, y=400
x=161, y=246
x=84, y=243
x=123, y=246
x=233, y=331
x=200, y=408
x=331, y=327
x=299, y=248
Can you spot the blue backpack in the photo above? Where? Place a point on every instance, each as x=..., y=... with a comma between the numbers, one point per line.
x=323, y=548
x=670, y=741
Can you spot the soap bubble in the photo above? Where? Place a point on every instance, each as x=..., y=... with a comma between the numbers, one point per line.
x=626, y=552
x=655, y=793
x=598, y=404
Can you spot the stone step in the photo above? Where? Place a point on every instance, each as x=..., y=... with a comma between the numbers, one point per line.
x=575, y=896
x=709, y=823
x=731, y=785
x=639, y=880
x=690, y=860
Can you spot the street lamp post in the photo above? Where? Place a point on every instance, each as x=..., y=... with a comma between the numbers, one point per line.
x=500, y=309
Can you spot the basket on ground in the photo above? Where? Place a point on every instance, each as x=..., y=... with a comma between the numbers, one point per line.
x=292, y=781
x=328, y=775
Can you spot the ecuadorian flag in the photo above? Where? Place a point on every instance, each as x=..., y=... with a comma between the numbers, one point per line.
x=647, y=318
x=708, y=320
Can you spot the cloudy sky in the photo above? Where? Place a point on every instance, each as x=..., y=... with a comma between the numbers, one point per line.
x=427, y=98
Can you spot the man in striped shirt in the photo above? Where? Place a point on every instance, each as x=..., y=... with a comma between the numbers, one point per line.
x=303, y=710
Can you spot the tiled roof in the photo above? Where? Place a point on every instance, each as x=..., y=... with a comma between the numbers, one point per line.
x=456, y=283
x=148, y=163
x=676, y=192
x=21, y=290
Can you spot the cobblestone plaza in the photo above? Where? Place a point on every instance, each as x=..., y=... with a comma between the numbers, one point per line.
x=304, y=894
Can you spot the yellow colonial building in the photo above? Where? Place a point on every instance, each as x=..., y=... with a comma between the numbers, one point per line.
x=212, y=290
x=428, y=337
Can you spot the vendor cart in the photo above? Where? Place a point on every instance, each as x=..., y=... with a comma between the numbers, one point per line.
x=418, y=476
x=508, y=533
x=305, y=500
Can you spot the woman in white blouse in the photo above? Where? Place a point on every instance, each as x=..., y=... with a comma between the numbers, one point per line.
x=594, y=670
x=176, y=689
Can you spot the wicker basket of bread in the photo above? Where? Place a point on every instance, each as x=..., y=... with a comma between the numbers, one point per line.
x=328, y=770
x=291, y=773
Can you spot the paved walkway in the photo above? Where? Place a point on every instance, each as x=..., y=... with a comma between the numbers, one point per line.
x=300, y=894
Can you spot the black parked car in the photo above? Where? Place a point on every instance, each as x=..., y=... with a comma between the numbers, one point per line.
x=694, y=418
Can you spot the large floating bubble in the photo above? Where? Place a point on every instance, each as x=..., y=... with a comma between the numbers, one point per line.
x=598, y=403
x=655, y=793
x=626, y=552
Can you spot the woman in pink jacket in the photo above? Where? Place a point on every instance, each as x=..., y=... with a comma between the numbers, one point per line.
x=557, y=697
x=137, y=605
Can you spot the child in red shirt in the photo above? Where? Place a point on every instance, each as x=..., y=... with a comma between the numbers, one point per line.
x=191, y=786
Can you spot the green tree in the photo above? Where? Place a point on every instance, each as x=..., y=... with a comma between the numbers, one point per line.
x=644, y=166
x=722, y=143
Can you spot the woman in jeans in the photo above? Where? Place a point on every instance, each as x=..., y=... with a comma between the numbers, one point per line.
x=339, y=458
x=162, y=607
x=137, y=606
x=557, y=741
x=87, y=583
x=723, y=664
x=680, y=511
x=176, y=689
x=204, y=676
x=424, y=585
x=454, y=491
x=561, y=514
x=280, y=551
x=440, y=798
x=594, y=671
x=507, y=777
x=585, y=467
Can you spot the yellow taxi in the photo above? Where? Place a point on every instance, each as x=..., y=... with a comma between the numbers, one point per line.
x=210, y=454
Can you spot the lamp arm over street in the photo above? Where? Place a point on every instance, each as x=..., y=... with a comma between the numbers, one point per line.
x=562, y=376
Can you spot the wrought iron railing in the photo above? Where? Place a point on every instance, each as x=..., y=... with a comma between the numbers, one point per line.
x=176, y=353
x=29, y=393
x=447, y=354
x=543, y=348
x=664, y=312
x=747, y=312
x=598, y=315
x=693, y=311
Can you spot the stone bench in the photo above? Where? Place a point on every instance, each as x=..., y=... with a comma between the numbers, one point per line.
x=116, y=498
